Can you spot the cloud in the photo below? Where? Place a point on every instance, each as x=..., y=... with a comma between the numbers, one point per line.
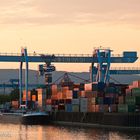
x=69, y=11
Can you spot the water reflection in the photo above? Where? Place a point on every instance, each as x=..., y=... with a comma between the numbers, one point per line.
x=38, y=132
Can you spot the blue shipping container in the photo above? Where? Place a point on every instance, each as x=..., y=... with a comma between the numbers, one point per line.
x=101, y=86
x=68, y=107
x=109, y=100
x=75, y=94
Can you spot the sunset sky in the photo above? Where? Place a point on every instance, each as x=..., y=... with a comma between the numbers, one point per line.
x=69, y=26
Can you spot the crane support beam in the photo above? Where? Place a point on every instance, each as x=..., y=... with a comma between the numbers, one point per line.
x=67, y=59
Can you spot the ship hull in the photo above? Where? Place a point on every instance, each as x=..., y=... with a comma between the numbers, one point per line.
x=36, y=118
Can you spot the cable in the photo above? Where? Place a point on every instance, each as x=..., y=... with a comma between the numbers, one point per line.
x=72, y=76
x=79, y=77
x=58, y=78
x=114, y=80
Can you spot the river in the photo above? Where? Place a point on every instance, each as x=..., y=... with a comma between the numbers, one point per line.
x=41, y=132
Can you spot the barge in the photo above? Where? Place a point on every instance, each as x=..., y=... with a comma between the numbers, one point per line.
x=36, y=118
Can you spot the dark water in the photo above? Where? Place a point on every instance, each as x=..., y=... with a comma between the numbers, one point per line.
x=38, y=132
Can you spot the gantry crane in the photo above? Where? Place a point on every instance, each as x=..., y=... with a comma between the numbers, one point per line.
x=101, y=57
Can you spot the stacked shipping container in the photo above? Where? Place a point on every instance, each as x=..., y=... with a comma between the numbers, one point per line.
x=92, y=97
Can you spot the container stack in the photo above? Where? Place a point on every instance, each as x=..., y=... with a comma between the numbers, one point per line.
x=131, y=100
x=91, y=97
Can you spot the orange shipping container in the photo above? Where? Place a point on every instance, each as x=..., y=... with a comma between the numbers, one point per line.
x=64, y=95
x=65, y=89
x=82, y=94
x=88, y=87
x=40, y=90
x=96, y=108
x=33, y=97
x=91, y=108
x=69, y=94
x=54, y=89
x=59, y=95
x=29, y=95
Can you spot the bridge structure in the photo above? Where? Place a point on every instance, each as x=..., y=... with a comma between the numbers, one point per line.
x=100, y=61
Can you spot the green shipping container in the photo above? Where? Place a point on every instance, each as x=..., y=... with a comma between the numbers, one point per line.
x=122, y=108
x=131, y=108
x=110, y=90
x=136, y=92
x=75, y=108
x=100, y=100
x=137, y=98
x=126, y=108
x=130, y=100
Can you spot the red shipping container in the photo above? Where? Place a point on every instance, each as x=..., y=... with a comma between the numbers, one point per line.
x=48, y=102
x=15, y=104
x=136, y=84
x=128, y=91
x=55, y=97
x=76, y=86
x=88, y=94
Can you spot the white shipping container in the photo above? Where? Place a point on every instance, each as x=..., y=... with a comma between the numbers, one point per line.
x=83, y=104
x=75, y=101
x=83, y=109
x=49, y=108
